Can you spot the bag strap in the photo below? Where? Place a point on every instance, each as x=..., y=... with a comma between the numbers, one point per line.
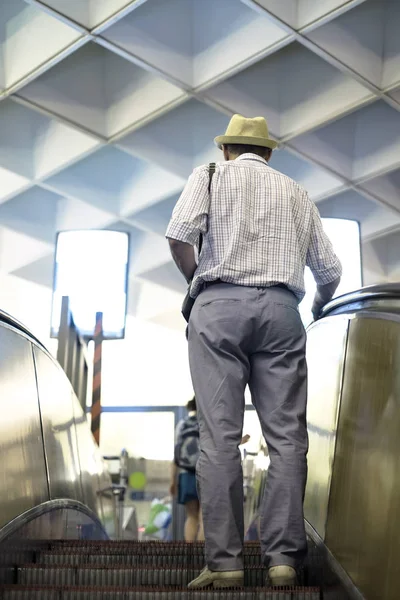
x=211, y=171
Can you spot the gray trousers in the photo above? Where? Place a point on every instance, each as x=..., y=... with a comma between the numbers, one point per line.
x=241, y=336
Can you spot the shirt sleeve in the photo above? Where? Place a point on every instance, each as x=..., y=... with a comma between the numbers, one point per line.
x=189, y=217
x=321, y=258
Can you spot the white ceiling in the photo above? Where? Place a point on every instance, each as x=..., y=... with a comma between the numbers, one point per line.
x=107, y=105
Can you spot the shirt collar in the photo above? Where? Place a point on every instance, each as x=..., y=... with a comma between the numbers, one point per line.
x=251, y=156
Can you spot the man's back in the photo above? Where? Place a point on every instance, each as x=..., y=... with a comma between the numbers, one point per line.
x=259, y=227
x=263, y=213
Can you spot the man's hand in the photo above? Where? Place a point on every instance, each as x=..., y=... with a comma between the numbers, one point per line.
x=317, y=307
x=323, y=296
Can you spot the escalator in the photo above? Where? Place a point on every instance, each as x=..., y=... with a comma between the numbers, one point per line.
x=57, y=512
x=104, y=570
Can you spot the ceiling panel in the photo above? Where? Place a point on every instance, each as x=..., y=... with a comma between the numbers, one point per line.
x=365, y=40
x=179, y=140
x=297, y=89
x=187, y=39
x=100, y=91
x=29, y=37
x=106, y=106
x=302, y=13
x=89, y=13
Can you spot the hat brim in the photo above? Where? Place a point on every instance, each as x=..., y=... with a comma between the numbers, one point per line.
x=248, y=141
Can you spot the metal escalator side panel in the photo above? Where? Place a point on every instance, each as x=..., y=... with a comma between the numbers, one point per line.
x=22, y=466
x=55, y=398
x=326, y=347
x=364, y=518
x=76, y=470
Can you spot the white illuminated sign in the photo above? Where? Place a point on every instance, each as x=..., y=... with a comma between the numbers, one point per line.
x=91, y=268
x=345, y=238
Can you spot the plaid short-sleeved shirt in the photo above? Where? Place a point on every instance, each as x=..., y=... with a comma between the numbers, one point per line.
x=259, y=228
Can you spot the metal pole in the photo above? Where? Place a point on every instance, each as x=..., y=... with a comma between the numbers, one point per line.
x=96, y=391
x=123, y=482
x=63, y=334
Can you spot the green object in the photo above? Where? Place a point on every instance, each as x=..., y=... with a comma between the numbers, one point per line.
x=159, y=514
x=137, y=481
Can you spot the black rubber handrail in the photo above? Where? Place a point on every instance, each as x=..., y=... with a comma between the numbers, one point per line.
x=13, y=322
x=18, y=522
x=371, y=292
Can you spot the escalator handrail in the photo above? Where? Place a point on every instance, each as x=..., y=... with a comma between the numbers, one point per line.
x=387, y=290
x=13, y=322
x=18, y=522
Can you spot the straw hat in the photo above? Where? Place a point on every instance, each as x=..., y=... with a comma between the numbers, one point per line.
x=253, y=132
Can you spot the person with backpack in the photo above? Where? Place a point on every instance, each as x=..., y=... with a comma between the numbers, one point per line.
x=187, y=452
x=183, y=476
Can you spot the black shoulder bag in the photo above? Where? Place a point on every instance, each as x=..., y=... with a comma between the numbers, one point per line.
x=188, y=302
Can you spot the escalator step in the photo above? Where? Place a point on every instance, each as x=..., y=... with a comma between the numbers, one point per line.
x=61, y=558
x=17, y=592
x=132, y=560
x=146, y=575
x=313, y=572
x=7, y=575
x=90, y=593
x=139, y=547
x=37, y=575
x=142, y=548
x=127, y=560
x=120, y=576
x=15, y=556
x=155, y=547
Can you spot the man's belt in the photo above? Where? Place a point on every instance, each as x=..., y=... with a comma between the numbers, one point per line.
x=208, y=284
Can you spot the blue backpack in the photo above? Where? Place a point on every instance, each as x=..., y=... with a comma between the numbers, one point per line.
x=187, y=449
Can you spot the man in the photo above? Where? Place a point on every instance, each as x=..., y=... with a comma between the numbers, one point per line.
x=259, y=230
